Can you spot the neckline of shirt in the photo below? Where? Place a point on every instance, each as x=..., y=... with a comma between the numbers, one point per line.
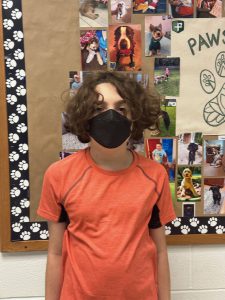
x=109, y=172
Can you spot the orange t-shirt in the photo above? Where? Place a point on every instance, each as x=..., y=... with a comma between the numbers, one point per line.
x=107, y=250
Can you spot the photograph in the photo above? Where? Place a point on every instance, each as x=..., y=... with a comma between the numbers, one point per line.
x=149, y=6
x=190, y=148
x=167, y=76
x=93, y=13
x=188, y=183
x=75, y=80
x=125, y=47
x=121, y=11
x=93, y=44
x=209, y=9
x=181, y=8
x=141, y=78
x=214, y=196
x=157, y=35
x=188, y=210
x=165, y=125
x=214, y=157
x=163, y=151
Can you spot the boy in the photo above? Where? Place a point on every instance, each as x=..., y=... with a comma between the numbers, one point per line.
x=106, y=205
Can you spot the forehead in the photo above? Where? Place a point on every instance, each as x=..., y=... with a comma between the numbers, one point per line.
x=109, y=93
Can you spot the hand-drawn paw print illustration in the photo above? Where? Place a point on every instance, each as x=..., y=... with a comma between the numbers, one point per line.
x=24, y=203
x=15, y=192
x=21, y=128
x=214, y=110
x=21, y=109
x=167, y=230
x=23, y=148
x=11, y=63
x=44, y=234
x=185, y=229
x=18, y=35
x=13, y=138
x=15, y=174
x=25, y=235
x=176, y=222
x=16, y=211
x=14, y=156
x=11, y=99
x=11, y=82
x=19, y=54
x=8, y=24
x=17, y=227
x=20, y=74
x=194, y=222
x=220, y=229
x=24, y=219
x=9, y=44
x=7, y=4
x=16, y=14
x=13, y=118
x=24, y=184
x=21, y=91
x=23, y=165
x=213, y=221
x=35, y=227
x=203, y=229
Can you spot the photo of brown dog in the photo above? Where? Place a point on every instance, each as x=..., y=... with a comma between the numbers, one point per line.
x=93, y=13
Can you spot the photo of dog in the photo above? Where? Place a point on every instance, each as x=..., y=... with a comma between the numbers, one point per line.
x=182, y=8
x=190, y=148
x=149, y=6
x=121, y=11
x=189, y=184
x=93, y=13
x=209, y=9
x=158, y=39
x=214, y=196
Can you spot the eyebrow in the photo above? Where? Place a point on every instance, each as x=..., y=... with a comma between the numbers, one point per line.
x=122, y=101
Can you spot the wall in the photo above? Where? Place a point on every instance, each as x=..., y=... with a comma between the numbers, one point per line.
x=197, y=273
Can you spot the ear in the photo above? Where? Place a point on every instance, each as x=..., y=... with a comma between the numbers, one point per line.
x=151, y=27
x=160, y=26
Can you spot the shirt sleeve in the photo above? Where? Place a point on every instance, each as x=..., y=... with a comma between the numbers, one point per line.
x=50, y=207
x=163, y=210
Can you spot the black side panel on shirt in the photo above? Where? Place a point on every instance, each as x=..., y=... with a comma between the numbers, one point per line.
x=63, y=216
x=155, y=220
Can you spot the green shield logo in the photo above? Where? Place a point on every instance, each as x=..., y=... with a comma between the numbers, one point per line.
x=178, y=26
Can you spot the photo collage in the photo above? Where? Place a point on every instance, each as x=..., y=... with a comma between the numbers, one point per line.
x=111, y=39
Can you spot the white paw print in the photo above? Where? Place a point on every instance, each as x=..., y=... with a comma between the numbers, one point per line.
x=220, y=229
x=11, y=63
x=21, y=109
x=15, y=192
x=16, y=14
x=7, y=4
x=17, y=227
x=23, y=165
x=25, y=235
x=167, y=230
x=44, y=234
x=15, y=174
x=24, y=184
x=13, y=118
x=16, y=211
x=23, y=148
x=9, y=44
x=203, y=229
x=19, y=54
x=18, y=35
x=35, y=227
x=21, y=91
x=8, y=24
x=194, y=222
x=20, y=74
x=11, y=99
x=13, y=156
x=185, y=229
x=10, y=82
x=21, y=128
x=24, y=219
x=176, y=222
x=213, y=221
x=13, y=138
x=25, y=203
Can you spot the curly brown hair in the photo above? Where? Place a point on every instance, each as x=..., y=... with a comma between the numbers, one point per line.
x=144, y=104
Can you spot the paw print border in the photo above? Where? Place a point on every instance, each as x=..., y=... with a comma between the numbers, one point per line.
x=22, y=229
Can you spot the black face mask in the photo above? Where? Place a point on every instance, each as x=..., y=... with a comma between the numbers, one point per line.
x=110, y=129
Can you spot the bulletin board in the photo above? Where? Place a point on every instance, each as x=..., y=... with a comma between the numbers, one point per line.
x=45, y=48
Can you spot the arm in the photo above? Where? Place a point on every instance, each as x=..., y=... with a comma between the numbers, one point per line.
x=53, y=278
x=158, y=236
